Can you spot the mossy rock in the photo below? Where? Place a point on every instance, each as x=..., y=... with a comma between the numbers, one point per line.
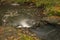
x=52, y=20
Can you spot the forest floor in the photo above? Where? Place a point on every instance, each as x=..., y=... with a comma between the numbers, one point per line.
x=11, y=33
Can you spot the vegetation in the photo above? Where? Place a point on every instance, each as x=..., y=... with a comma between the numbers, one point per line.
x=37, y=2
x=49, y=4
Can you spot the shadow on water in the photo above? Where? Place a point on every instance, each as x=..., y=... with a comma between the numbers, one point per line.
x=47, y=32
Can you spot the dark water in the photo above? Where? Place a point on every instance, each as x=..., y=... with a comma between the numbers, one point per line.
x=47, y=32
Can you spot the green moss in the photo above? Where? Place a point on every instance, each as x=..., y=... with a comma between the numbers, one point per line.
x=26, y=37
x=51, y=13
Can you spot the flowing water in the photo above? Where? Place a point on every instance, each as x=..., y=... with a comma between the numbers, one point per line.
x=14, y=16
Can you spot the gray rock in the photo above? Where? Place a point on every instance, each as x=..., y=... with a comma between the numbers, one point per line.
x=52, y=19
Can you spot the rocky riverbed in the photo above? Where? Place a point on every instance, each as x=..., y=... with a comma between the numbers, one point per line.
x=14, y=19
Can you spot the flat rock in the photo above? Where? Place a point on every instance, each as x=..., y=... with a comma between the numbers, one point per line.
x=52, y=19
